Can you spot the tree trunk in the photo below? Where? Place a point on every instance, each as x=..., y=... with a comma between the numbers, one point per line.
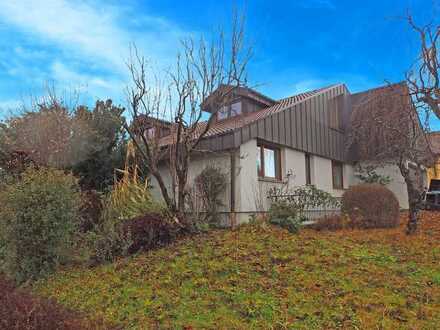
x=413, y=219
x=170, y=203
x=414, y=185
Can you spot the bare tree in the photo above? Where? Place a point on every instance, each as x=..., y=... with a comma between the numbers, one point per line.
x=386, y=129
x=203, y=80
x=423, y=77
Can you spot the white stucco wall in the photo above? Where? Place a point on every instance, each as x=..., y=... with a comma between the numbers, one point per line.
x=397, y=184
x=322, y=176
x=247, y=178
x=252, y=191
x=220, y=160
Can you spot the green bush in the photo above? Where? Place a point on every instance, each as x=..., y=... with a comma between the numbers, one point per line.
x=286, y=215
x=108, y=241
x=371, y=206
x=292, y=224
x=38, y=219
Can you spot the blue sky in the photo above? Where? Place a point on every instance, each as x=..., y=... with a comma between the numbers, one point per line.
x=298, y=44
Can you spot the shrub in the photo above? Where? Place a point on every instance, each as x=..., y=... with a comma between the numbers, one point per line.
x=211, y=184
x=21, y=310
x=286, y=215
x=303, y=198
x=90, y=210
x=108, y=241
x=38, y=219
x=114, y=239
x=371, y=206
x=150, y=231
x=292, y=224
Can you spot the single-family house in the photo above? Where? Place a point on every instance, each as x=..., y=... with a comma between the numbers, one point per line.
x=299, y=140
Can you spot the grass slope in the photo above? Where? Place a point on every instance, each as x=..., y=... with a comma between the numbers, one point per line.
x=264, y=277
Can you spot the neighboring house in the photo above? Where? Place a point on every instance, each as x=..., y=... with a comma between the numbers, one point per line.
x=298, y=140
x=434, y=171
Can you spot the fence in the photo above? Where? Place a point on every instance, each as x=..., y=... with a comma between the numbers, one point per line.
x=310, y=209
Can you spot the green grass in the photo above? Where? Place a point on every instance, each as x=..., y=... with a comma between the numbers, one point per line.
x=262, y=277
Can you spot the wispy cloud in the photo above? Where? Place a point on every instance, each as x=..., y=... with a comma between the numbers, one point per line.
x=82, y=42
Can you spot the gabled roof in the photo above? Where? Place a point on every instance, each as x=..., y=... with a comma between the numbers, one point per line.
x=231, y=124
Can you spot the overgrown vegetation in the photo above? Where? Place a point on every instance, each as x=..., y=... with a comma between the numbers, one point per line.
x=130, y=220
x=262, y=276
x=38, y=219
x=90, y=142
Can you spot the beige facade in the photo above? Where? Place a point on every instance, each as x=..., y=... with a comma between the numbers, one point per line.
x=251, y=191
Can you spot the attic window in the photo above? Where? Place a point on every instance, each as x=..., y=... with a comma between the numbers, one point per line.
x=223, y=113
x=229, y=111
x=151, y=132
x=236, y=109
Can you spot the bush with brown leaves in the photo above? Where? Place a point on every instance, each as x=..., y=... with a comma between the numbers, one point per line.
x=371, y=206
x=20, y=310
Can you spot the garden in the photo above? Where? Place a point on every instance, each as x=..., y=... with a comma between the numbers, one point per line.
x=84, y=245
x=83, y=250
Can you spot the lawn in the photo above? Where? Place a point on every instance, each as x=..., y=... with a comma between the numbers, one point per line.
x=262, y=277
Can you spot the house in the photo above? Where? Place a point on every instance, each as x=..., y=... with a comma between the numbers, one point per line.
x=263, y=143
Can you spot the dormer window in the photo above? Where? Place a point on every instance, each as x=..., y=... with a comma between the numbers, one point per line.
x=151, y=132
x=229, y=111
x=223, y=113
x=235, y=109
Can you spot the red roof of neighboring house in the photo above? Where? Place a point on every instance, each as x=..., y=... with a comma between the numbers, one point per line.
x=230, y=124
x=434, y=141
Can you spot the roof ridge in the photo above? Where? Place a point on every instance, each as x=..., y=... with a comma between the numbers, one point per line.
x=401, y=83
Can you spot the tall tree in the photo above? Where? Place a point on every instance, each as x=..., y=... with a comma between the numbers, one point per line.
x=100, y=148
x=88, y=141
x=423, y=77
x=386, y=129
x=205, y=76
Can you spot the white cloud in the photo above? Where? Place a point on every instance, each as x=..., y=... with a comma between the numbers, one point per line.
x=79, y=27
x=91, y=39
x=100, y=87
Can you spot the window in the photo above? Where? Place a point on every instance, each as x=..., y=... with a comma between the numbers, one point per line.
x=268, y=162
x=151, y=132
x=308, y=169
x=338, y=176
x=223, y=113
x=229, y=111
x=235, y=109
